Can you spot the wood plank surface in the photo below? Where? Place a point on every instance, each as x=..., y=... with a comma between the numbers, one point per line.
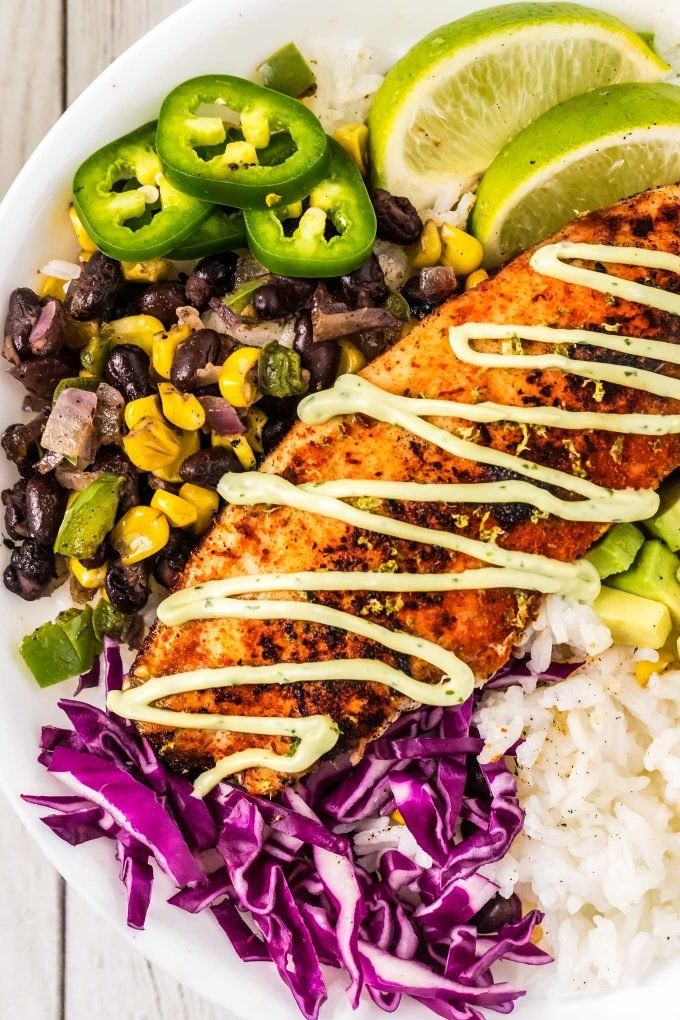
x=56, y=960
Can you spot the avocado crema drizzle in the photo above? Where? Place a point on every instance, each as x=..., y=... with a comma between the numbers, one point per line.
x=315, y=735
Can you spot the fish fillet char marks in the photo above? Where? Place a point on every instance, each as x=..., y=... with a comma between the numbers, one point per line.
x=479, y=626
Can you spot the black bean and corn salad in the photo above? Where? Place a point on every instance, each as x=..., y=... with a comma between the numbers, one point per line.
x=147, y=380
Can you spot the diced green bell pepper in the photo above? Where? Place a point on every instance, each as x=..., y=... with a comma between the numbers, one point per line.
x=94, y=354
x=89, y=518
x=287, y=71
x=107, y=620
x=115, y=212
x=62, y=648
x=184, y=138
x=340, y=197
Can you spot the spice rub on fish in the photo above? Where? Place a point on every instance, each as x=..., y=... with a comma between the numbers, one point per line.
x=480, y=626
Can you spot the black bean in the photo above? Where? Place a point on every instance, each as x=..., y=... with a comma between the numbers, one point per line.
x=45, y=504
x=127, y=587
x=162, y=300
x=93, y=294
x=99, y=559
x=14, y=501
x=476, y=784
x=171, y=559
x=282, y=296
x=18, y=439
x=375, y=342
x=207, y=466
x=365, y=287
x=212, y=277
x=128, y=299
x=498, y=912
x=429, y=289
x=202, y=348
x=320, y=359
x=112, y=458
x=127, y=368
x=48, y=334
x=398, y=219
x=32, y=570
x=23, y=312
x=41, y=375
x=274, y=431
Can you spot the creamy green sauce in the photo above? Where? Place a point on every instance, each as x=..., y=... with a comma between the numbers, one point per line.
x=315, y=735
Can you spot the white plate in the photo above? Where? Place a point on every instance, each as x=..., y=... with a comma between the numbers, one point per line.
x=204, y=37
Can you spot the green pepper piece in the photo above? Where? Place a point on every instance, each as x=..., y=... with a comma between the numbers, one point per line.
x=61, y=648
x=224, y=230
x=114, y=211
x=89, y=518
x=77, y=382
x=287, y=71
x=240, y=298
x=183, y=134
x=398, y=305
x=106, y=619
x=93, y=356
x=342, y=198
x=280, y=372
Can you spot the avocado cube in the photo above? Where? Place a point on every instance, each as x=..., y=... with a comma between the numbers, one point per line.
x=653, y=575
x=665, y=524
x=616, y=551
x=633, y=620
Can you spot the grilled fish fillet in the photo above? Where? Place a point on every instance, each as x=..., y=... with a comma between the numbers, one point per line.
x=479, y=626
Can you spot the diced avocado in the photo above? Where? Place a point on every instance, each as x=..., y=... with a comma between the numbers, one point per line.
x=89, y=518
x=617, y=550
x=633, y=620
x=665, y=524
x=653, y=576
x=62, y=648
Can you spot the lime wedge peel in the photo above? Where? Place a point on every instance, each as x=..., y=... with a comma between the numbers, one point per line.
x=454, y=100
x=585, y=154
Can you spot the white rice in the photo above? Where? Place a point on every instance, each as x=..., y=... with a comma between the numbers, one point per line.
x=599, y=778
x=347, y=77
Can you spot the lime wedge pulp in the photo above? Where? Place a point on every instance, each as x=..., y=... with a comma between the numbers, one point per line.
x=453, y=101
x=582, y=155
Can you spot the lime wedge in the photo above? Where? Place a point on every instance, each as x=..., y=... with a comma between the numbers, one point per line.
x=448, y=107
x=582, y=155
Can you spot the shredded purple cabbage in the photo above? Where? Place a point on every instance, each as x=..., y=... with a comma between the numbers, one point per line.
x=285, y=886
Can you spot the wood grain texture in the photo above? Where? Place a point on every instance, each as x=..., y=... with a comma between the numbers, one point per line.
x=57, y=962
x=31, y=78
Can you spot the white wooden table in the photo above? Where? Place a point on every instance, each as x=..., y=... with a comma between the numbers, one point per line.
x=55, y=961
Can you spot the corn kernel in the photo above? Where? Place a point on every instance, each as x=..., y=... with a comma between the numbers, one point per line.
x=147, y=272
x=354, y=140
x=151, y=445
x=181, y=409
x=85, y=256
x=51, y=286
x=238, y=378
x=474, y=279
x=92, y=578
x=135, y=329
x=427, y=251
x=461, y=251
x=256, y=420
x=206, y=502
x=239, y=154
x=143, y=407
x=537, y=935
x=141, y=532
x=240, y=446
x=351, y=358
x=164, y=347
x=189, y=443
x=255, y=128
x=397, y=817
x=180, y=512
x=645, y=668
x=84, y=239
